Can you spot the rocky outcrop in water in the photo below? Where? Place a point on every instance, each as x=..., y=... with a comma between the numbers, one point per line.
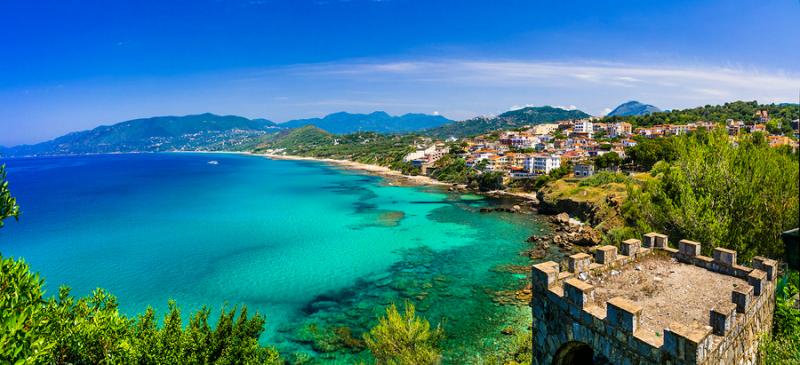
x=568, y=235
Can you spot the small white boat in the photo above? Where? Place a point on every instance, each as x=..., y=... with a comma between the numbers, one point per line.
x=213, y=162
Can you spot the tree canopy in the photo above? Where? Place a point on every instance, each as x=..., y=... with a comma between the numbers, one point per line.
x=739, y=196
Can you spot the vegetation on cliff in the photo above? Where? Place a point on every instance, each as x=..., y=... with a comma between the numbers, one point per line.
x=740, y=196
x=783, y=347
x=595, y=200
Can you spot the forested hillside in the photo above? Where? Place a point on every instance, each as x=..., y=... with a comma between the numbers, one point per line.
x=508, y=120
x=737, y=110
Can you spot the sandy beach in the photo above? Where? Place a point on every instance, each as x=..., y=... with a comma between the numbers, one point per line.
x=395, y=176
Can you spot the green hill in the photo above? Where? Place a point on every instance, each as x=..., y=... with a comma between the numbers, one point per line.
x=169, y=133
x=508, y=120
x=298, y=139
x=633, y=108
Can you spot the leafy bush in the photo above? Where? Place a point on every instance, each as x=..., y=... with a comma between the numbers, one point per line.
x=91, y=330
x=404, y=339
x=784, y=345
x=487, y=181
x=647, y=152
x=607, y=160
x=24, y=322
x=740, y=197
x=8, y=204
x=453, y=170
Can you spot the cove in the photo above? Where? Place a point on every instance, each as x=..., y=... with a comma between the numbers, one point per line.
x=314, y=248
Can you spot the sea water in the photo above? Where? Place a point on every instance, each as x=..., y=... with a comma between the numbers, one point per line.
x=315, y=248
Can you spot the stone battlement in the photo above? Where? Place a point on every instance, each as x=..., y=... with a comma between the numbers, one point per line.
x=614, y=302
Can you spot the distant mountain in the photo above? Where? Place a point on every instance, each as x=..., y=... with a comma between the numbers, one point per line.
x=341, y=123
x=633, y=108
x=169, y=133
x=508, y=120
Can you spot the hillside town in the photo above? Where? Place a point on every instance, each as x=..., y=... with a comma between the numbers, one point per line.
x=538, y=150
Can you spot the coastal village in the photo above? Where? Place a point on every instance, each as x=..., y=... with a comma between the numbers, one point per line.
x=537, y=150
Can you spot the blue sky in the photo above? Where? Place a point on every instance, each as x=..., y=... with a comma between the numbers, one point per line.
x=68, y=66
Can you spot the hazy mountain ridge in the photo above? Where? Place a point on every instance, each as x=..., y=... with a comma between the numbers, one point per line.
x=379, y=121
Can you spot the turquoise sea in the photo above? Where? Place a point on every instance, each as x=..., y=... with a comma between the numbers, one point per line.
x=315, y=248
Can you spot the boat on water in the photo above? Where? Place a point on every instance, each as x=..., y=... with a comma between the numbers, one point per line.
x=213, y=162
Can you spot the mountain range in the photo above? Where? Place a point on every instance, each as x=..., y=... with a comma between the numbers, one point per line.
x=169, y=133
x=211, y=132
x=633, y=108
x=381, y=122
x=229, y=132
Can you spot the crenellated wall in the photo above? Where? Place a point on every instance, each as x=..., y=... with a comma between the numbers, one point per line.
x=565, y=311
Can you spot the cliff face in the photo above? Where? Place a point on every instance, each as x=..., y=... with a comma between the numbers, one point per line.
x=597, y=205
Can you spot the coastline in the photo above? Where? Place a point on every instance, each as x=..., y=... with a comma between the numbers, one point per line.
x=394, y=175
x=358, y=166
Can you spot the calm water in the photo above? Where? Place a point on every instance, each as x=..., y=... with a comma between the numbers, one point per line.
x=316, y=249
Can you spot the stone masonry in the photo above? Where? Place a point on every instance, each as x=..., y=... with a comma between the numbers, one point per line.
x=570, y=322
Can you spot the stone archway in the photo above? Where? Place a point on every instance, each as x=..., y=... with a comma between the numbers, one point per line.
x=574, y=353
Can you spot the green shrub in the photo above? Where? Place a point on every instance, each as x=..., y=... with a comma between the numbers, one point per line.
x=404, y=339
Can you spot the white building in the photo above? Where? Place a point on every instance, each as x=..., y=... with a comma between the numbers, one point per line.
x=428, y=155
x=582, y=126
x=543, y=164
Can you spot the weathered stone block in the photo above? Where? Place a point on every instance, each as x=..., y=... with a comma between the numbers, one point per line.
x=579, y=262
x=605, y=254
x=758, y=279
x=545, y=275
x=656, y=240
x=742, y=297
x=766, y=265
x=724, y=256
x=623, y=314
x=578, y=292
x=689, y=248
x=631, y=247
x=722, y=318
x=687, y=344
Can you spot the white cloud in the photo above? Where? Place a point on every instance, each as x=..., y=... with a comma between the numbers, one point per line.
x=518, y=107
x=589, y=85
x=568, y=107
x=605, y=111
